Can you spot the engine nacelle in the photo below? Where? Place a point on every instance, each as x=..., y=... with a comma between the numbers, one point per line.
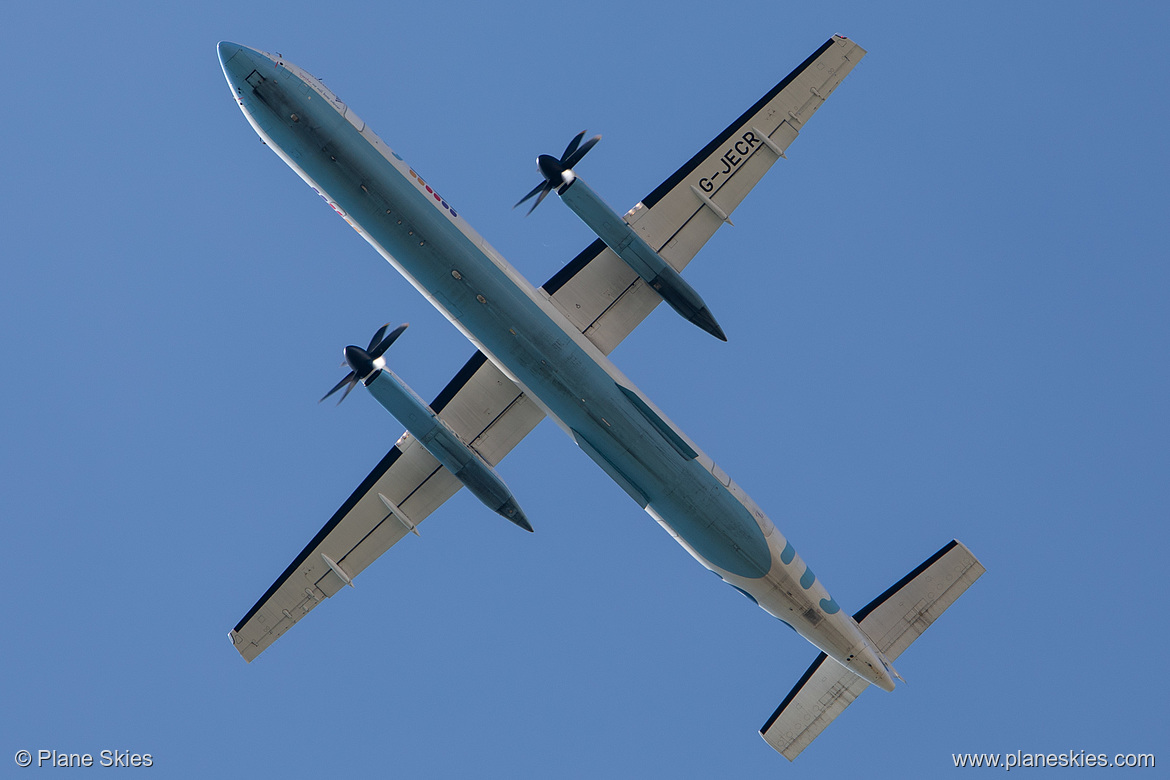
x=437, y=437
x=637, y=254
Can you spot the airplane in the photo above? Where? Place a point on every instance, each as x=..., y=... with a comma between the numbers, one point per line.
x=543, y=352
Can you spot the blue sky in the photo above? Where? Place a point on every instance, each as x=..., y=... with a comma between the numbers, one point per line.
x=947, y=319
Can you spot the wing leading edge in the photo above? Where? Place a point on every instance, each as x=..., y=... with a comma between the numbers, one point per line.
x=599, y=294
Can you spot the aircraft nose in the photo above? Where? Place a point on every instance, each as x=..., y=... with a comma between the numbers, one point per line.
x=239, y=61
x=227, y=50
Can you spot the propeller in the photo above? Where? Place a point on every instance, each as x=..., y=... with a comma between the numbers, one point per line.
x=361, y=361
x=553, y=170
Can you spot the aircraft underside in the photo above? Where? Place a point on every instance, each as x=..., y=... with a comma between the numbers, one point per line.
x=531, y=341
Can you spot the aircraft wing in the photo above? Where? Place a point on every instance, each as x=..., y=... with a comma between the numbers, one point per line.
x=481, y=405
x=602, y=295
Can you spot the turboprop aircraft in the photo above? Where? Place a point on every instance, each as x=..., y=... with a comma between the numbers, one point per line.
x=542, y=352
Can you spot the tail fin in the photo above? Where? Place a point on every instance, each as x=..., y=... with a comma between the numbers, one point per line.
x=893, y=620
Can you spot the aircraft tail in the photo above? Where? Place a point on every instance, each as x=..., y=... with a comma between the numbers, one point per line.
x=892, y=621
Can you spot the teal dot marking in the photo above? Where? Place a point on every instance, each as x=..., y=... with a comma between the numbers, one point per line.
x=788, y=554
x=808, y=578
x=829, y=605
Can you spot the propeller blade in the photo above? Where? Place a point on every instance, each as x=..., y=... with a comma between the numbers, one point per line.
x=352, y=384
x=348, y=378
x=572, y=147
x=377, y=337
x=576, y=156
x=543, y=195
x=535, y=190
x=379, y=350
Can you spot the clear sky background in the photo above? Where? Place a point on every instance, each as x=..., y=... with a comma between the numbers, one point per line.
x=947, y=315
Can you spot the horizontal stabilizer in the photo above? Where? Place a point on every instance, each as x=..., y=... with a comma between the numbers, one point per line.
x=892, y=621
x=822, y=694
x=899, y=616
